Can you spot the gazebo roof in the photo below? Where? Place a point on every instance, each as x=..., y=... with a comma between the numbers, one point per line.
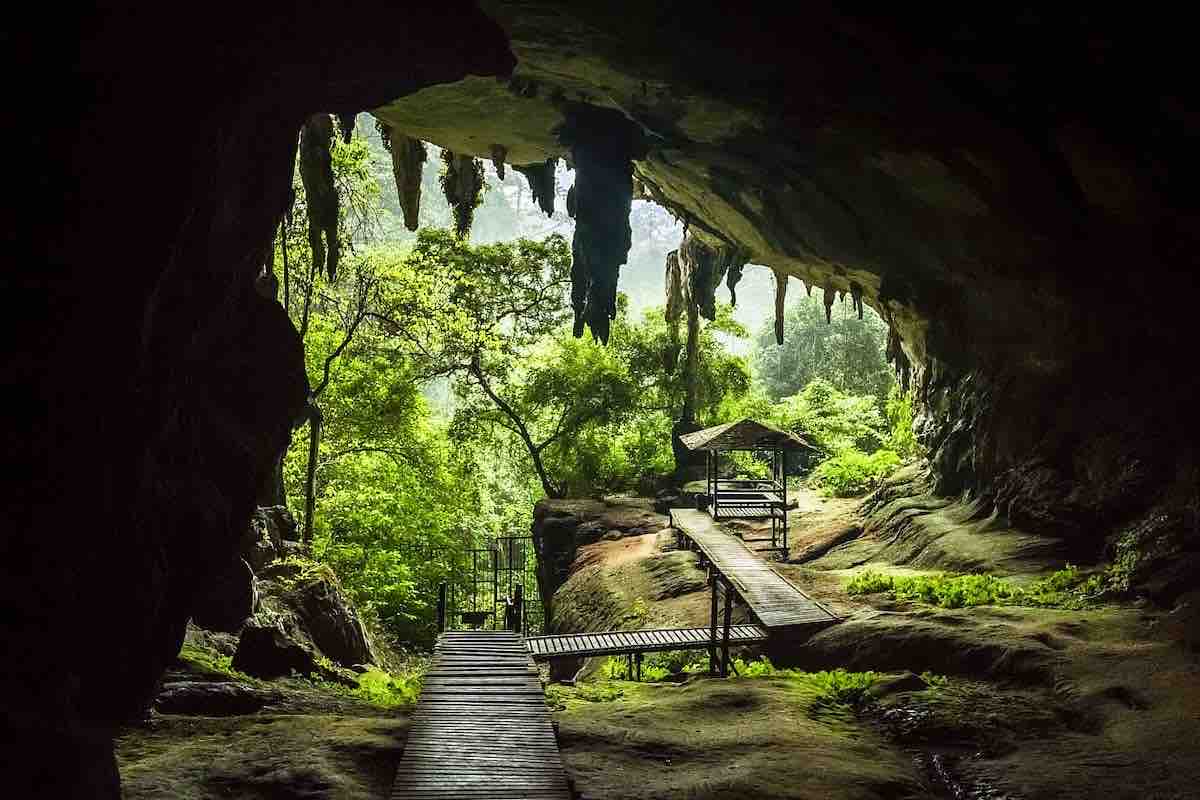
x=745, y=434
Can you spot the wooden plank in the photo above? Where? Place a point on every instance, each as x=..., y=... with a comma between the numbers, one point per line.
x=481, y=728
x=774, y=601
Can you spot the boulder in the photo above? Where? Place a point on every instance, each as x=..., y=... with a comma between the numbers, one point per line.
x=265, y=650
x=269, y=528
x=213, y=698
x=331, y=622
x=232, y=597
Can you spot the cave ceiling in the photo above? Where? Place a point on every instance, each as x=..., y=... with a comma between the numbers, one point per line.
x=944, y=168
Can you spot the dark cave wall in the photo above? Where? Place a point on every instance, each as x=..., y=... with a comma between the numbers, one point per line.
x=154, y=386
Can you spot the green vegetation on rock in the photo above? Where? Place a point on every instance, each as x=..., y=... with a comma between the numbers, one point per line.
x=1066, y=588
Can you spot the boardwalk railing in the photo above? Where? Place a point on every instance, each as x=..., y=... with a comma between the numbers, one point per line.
x=636, y=643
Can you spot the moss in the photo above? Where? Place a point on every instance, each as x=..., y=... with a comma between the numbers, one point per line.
x=712, y=738
x=213, y=665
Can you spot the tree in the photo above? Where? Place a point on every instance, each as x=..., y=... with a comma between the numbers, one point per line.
x=474, y=312
x=847, y=352
x=307, y=287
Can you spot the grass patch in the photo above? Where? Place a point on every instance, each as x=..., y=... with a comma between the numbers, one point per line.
x=558, y=696
x=378, y=687
x=1066, y=588
x=657, y=666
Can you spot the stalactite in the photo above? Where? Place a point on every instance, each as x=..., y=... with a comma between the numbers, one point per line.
x=732, y=278
x=828, y=296
x=346, y=124
x=895, y=355
x=781, y=280
x=676, y=300
x=541, y=182
x=320, y=193
x=499, y=153
x=462, y=183
x=856, y=294
x=408, y=162
x=705, y=266
x=603, y=145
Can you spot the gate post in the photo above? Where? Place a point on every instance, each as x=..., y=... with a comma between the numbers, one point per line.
x=441, y=607
x=518, y=620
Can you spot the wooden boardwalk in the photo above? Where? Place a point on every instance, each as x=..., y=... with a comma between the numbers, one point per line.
x=776, y=602
x=481, y=729
x=544, y=648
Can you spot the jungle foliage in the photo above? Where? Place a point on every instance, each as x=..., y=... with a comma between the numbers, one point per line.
x=453, y=396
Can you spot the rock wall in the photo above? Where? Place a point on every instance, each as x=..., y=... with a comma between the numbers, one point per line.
x=152, y=386
x=561, y=527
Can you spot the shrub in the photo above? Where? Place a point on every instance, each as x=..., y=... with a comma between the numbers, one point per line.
x=1066, y=588
x=899, y=411
x=853, y=472
x=869, y=582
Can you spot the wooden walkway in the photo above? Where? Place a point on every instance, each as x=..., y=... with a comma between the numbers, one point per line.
x=776, y=602
x=481, y=729
x=543, y=648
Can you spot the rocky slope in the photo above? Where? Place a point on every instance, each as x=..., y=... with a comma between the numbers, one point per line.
x=1016, y=702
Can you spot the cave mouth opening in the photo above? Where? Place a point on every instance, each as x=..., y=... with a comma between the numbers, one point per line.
x=1013, y=212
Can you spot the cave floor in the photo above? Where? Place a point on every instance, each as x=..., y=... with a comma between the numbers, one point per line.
x=1027, y=702
x=1031, y=702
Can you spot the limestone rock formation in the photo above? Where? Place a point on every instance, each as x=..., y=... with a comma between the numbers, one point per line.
x=266, y=650
x=232, y=598
x=541, y=182
x=408, y=161
x=331, y=622
x=212, y=698
x=1012, y=190
x=320, y=193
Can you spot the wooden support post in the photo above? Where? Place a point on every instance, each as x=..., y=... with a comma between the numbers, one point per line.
x=637, y=660
x=712, y=643
x=725, y=636
x=628, y=666
x=441, y=607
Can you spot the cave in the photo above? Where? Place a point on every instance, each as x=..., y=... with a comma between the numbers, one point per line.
x=1009, y=189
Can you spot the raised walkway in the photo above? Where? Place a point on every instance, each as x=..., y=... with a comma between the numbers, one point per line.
x=481, y=729
x=778, y=604
x=544, y=648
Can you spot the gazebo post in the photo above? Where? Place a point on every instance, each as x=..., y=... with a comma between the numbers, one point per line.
x=716, y=483
x=783, y=470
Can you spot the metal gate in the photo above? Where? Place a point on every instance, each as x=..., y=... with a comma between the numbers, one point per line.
x=489, y=594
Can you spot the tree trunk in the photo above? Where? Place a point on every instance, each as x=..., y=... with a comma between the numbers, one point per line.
x=535, y=454
x=310, y=488
x=690, y=365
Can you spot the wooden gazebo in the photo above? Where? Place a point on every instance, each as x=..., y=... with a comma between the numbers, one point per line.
x=739, y=497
